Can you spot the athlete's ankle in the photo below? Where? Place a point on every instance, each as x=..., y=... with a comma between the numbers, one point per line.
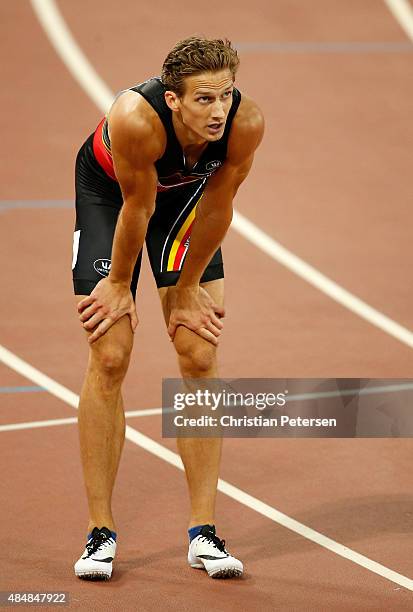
x=99, y=524
x=201, y=520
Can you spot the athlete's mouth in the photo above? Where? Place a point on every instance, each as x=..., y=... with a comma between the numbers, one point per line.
x=215, y=127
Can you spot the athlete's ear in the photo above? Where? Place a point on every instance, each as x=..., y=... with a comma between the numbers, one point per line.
x=172, y=100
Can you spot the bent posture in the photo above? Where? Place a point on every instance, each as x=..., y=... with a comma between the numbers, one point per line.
x=162, y=167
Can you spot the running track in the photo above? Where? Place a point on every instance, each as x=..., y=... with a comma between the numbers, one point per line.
x=331, y=183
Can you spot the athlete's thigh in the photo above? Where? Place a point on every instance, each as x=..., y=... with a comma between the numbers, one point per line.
x=215, y=289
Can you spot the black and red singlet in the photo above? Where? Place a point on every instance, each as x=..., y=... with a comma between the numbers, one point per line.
x=171, y=167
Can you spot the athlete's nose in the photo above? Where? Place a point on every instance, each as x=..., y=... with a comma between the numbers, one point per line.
x=218, y=111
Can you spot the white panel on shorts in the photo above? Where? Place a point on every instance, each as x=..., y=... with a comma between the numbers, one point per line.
x=76, y=238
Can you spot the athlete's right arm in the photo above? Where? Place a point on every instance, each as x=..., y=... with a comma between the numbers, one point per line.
x=135, y=148
x=137, y=142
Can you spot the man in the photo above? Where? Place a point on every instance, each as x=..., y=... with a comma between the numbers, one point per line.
x=164, y=166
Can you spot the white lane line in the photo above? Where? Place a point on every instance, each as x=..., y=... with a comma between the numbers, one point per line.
x=403, y=13
x=312, y=276
x=72, y=420
x=145, y=412
x=80, y=67
x=22, y=367
x=37, y=424
x=316, y=537
x=71, y=54
x=28, y=371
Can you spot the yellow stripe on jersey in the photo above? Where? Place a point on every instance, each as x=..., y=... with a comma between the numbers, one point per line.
x=179, y=236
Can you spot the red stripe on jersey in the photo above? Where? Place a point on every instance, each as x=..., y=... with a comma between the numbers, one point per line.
x=104, y=158
x=102, y=155
x=182, y=248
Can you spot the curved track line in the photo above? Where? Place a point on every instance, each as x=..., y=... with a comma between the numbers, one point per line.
x=67, y=396
x=403, y=13
x=80, y=67
x=71, y=55
x=314, y=277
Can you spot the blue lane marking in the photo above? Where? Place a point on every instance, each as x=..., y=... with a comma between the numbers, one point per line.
x=33, y=389
x=325, y=47
x=14, y=204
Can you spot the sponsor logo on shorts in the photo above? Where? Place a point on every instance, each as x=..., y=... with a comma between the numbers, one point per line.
x=213, y=165
x=102, y=266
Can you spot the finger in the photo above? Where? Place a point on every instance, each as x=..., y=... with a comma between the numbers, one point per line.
x=94, y=320
x=85, y=302
x=212, y=328
x=101, y=329
x=207, y=335
x=172, y=330
x=219, y=310
x=88, y=311
x=133, y=319
x=217, y=322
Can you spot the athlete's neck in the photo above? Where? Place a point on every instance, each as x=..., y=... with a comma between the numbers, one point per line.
x=187, y=138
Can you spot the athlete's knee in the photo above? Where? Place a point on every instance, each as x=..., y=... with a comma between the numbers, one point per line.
x=110, y=360
x=196, y=356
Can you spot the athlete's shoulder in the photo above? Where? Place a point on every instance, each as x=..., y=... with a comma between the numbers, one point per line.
x=247, y=129
x=249, y=119
x=134, y=124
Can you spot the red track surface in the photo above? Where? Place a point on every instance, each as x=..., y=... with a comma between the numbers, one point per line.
x=331, y=182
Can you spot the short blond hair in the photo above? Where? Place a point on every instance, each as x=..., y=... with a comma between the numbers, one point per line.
x=195, y=55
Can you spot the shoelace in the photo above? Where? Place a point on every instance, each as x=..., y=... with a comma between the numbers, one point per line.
x=98, y=541
x=219, y=544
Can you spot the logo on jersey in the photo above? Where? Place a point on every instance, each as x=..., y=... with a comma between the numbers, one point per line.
x=102, y=266
x=213, y=165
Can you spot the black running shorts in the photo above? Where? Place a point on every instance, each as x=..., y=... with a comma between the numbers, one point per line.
x=98, y=202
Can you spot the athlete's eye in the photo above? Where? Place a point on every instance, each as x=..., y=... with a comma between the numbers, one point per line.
x=203, y=99
x=227, y=94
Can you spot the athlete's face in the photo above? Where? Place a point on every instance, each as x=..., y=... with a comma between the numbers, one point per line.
x=205, y=104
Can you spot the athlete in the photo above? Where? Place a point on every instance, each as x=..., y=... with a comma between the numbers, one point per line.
x=162, y=167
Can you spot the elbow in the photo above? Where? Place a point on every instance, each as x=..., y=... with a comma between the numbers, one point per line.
x=148, y=210
x=141, y=210
x=223, y=215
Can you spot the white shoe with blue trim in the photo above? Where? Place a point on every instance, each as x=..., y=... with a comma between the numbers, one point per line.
x=96, y=561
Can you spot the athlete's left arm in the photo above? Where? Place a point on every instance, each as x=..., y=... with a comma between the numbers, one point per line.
x=190, y=304
x=214, y=212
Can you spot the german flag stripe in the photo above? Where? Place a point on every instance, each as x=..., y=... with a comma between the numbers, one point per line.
x=183, y=247
x=178, y=247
